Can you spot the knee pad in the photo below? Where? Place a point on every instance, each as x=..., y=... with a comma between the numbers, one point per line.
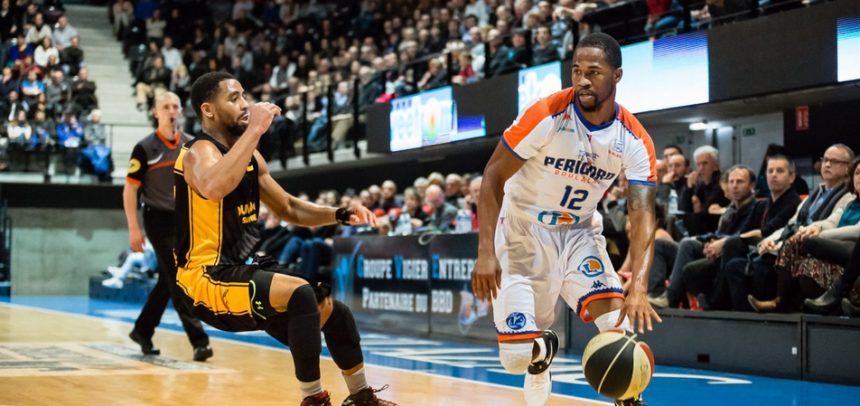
x=516, y=357
x=342, y=338
x=303, y=301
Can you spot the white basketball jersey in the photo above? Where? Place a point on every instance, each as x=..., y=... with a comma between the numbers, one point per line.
x=570, y=163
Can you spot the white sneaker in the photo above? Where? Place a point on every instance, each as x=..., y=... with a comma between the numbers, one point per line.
x=538, y=388
x=114, y=271
x=113, y=283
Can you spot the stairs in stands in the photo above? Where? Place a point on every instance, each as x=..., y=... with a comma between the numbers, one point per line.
x=109, y=69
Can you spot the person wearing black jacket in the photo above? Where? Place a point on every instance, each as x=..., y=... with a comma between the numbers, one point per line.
x=544, y=51
x=730, y=288
x=153, y=82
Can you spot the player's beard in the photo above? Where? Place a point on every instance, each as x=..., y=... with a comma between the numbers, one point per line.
x=590, y=107
x=237, y=129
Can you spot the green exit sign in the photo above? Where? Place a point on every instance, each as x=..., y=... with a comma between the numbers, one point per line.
x=749, y=131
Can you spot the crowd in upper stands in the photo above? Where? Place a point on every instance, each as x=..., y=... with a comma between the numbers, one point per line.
x=47, y=100
x=317, y=58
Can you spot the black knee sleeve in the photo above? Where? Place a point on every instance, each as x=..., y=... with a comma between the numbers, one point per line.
x=303, y=332
x=341, y=337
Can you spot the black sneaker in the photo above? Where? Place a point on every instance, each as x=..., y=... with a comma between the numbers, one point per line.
x=320, y=399
x=146, y=345
x=367, y=397
x=202, y=353
x=551, y=341
x=634, y=401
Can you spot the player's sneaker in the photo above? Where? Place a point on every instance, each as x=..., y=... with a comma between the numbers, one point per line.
x=538, y=383
x=367, y=397
x=113, y=283
x=538, y=388
x=634, y=401
x=320, y=399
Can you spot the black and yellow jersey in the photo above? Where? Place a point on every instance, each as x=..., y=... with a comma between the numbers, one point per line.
x=215, y=233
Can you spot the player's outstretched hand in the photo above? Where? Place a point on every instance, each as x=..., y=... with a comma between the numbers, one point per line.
x=260, y=116
x=361, y=215
x=640, y=312
x=486, y=277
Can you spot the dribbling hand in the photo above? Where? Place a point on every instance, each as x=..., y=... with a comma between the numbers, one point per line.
x=640, y=312
x=361, y=215
x=261, y=116
x=486, y=277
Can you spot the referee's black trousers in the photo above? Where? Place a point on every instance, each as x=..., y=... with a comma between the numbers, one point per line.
x=160, y=230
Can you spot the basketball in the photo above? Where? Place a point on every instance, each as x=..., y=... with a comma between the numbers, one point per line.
x=617, y=365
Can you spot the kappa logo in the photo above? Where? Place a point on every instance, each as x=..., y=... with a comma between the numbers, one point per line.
x=516, y=321
x=591, y=266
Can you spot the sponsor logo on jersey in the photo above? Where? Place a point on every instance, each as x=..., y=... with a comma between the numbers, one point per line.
x=557, y=218
x=516, y=321
x=591, y=266
x=578, y=167
x=133, y=165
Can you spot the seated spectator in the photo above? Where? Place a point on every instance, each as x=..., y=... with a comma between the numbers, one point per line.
x=473, y=199
x=39, y=30
x=341, y=106
x=467, y=72
x=8, y=83
x=453, y=189
x=58, y=92
x=732, y=284
x=180, y=83
x=800, y=186
x=838, y=292
x=13, y=105
x=436, y=75
x=70, y=136
x=443, y=213
x=389, y=198
x=703, y=190
x=94, y=131
x=519, y=55
x=155, y=27
x=72, y=57
x=145, y=262
x=63, y=33
x=84, y=93
x=800, y=272
x=544, y=51
x=32, y=87
x=153, y=83
x=44, y=51
x=281, y=74
x=665, y=251
x=715, y=209
x=44, y=128
x=21, y=133
x=698, y=257
x=172, y=56
x=412, y=207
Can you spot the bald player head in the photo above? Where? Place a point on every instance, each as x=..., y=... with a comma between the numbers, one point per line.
x=167, y=111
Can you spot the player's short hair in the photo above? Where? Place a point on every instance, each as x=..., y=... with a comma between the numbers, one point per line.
x=780, y=157
x=205, y=88
x=607, y=44
x=706, y=149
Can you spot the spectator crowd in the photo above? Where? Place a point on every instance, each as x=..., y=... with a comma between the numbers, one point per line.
x=47, y=100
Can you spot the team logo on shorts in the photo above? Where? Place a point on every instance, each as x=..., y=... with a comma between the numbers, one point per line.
x=591, y=266
x=516, y=321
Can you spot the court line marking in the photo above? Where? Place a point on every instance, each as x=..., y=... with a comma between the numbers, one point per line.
x=237, y=341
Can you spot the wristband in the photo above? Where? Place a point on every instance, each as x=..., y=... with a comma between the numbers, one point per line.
x=342, y=215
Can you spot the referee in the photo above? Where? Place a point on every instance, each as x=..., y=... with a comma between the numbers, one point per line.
x=151, y=170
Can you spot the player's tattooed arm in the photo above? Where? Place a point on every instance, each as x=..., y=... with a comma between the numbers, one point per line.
x=643, y=225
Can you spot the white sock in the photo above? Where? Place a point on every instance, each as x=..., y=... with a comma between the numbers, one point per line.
x=355, y=382
x=310, y=388
x=608, y=320
x=541, y=355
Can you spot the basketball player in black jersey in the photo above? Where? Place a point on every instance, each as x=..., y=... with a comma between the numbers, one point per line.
x=220, y=181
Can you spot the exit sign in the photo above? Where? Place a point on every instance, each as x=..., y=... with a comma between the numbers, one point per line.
x=749, y=131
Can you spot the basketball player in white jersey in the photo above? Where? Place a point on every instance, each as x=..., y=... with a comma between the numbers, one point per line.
x=543, y=184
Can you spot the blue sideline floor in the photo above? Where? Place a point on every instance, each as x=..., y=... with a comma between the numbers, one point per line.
x=670, y=386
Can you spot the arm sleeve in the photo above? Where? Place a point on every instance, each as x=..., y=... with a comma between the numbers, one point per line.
x=137, y=166
x=832, y=221
x=530, y=131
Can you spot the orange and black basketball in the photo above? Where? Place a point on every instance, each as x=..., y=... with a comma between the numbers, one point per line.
x=617, y=365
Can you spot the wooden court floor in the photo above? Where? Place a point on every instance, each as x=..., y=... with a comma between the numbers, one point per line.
x=50, y=358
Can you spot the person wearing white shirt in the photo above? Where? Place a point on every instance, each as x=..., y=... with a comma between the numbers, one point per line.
x=172, y=56
x=63, y=33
